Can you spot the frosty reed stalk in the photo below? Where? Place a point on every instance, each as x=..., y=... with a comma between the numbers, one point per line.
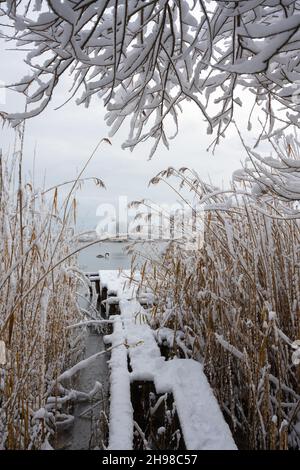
x=33, y=313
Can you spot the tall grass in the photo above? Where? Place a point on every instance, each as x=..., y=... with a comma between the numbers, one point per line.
x=236, y=301
x=38, y=284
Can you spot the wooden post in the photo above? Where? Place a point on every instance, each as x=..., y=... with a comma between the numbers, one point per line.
x=97, y=285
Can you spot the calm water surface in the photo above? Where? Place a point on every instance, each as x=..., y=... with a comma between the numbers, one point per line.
x=117, y=257
x=114, y=255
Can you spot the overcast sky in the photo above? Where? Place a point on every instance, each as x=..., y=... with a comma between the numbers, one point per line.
x=64, y=139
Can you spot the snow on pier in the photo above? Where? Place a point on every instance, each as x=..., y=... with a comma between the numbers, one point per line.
x=133, y=342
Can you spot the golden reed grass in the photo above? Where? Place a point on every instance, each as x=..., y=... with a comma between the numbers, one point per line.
x=235, y=299
x=38, y=283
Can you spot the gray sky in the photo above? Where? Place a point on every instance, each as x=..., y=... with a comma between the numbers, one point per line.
x=65, y=138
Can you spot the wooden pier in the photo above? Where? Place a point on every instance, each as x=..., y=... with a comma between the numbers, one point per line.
x=138, y=369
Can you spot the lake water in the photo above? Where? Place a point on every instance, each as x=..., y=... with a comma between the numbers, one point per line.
x=117, y=257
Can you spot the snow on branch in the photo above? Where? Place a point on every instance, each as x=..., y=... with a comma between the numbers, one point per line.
x=275, y=175
x=144, y=58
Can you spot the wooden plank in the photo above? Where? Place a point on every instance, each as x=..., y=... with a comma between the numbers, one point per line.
x=201, y=419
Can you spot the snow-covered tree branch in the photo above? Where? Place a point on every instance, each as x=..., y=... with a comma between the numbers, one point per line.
x=275, y=177
x=146, y=57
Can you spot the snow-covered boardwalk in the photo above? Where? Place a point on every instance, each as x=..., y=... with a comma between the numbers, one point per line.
x=133, y=340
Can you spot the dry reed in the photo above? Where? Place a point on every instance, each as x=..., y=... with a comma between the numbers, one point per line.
x=38, y=284
x=235, y=300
